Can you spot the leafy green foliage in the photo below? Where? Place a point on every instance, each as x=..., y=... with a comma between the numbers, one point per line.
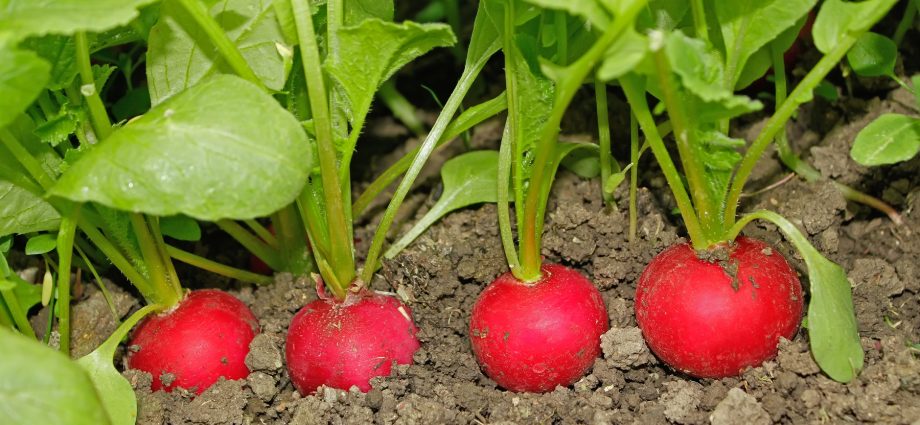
x=174, y=159
x=360, y=74
x=181, y=55
x=469, y=179
x=873, y=55
x=599, y=13
x=23, y=74
x=180, y=227
x=115, y=391
x=838, y=19
x=42, y=386
x=23, y=212
x=747, y=26
x=60, y=52
x=623, y=55
x=24, y=18
x=759, y=62
x=41, y=244
x=889, y=139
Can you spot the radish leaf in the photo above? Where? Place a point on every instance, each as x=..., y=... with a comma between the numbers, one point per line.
x=838, y=19
x=889, y=139
x=116, y=393
x=23, y=75
x=23, y=212
x=469, y=179
x=873, y=55
x=209, y=152
x=181, y=54
x=24, y=18
x=180, y=227
x=41, y=244
x=42, y=386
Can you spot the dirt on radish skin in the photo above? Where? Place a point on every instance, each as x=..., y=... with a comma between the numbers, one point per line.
x=206, y=337
x=345, y=343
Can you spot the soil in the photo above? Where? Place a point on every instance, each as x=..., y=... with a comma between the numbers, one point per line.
x=441, y=273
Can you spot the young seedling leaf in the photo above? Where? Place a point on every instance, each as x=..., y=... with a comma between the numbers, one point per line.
x=623, y=55
x=359, y=73
x=719, y=154
x=180, y=227
x=24, y=18
x=469, y=179
x=209, y=152
x=827, y=90
x=747, y=26
x=889, y=139
x=23, y=75
x=616, y=179
x=181, y=55
x=873, y=55
x=585, y=163
x=759, y=62
x=59, y=51
x=41, y=244
x=40, y=385
x=832, y=326
x=114, y=390
x=22, y=212
x=838, y=18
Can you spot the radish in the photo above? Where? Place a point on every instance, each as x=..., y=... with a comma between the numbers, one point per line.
x=346, y=343
x=713, y=319
x=205, y=337
x=536, y=336
x=719, y=304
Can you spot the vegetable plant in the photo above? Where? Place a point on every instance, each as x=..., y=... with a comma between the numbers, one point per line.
x=539, y=325
x=336, y=340
x=718, y=304
x=112, y=189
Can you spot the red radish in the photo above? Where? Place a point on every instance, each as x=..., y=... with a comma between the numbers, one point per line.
x=204, y=338
x=534, y=337
x=342, y=344
x=713, y=319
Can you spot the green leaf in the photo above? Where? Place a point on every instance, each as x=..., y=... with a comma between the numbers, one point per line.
x=39, y=385
x=747, y=26
x=41, y=244
x=180, y=227
x=357, y=11
x=28, y=294
x=889, y=139
x=358, y=72
x=209, y=152
x=59, y=51
x=873, y=55
x=116, y=392
x=719, y=154
x=24, y=18
x=827, y=90
x=699, y=66
x=585, y=163
x=22, y=212
x=623, y=55
x=663, y=14
x=469, y=179
x=23, y=75
x=832, y=329
x=180, y=55
x=614, y=180
x=837, y=19
x=593, y=11
x=760, y=61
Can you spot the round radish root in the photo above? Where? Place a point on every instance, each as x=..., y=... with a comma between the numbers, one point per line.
x=714, y=318
x=204, y=338
x=342, y=344
x=534, y=337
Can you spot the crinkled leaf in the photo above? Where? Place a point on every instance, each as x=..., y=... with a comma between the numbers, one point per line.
x=370, y=53
x=623, y=55
x=747, y=26
x=41, y=244
x=832, y=329
x=708, y=112
x=357, y=11
x=180, y=227
x=114, y=390
x=837, y=18
x=873, y=55
x=40, y=385
x=699, y=66
x=719, y=154
x=209, y=152
x=24, y=18
x=59, y=51
x=180, y=54
x=889, y=139
x=23, y=75
x=22, y=212
x=469, y=179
